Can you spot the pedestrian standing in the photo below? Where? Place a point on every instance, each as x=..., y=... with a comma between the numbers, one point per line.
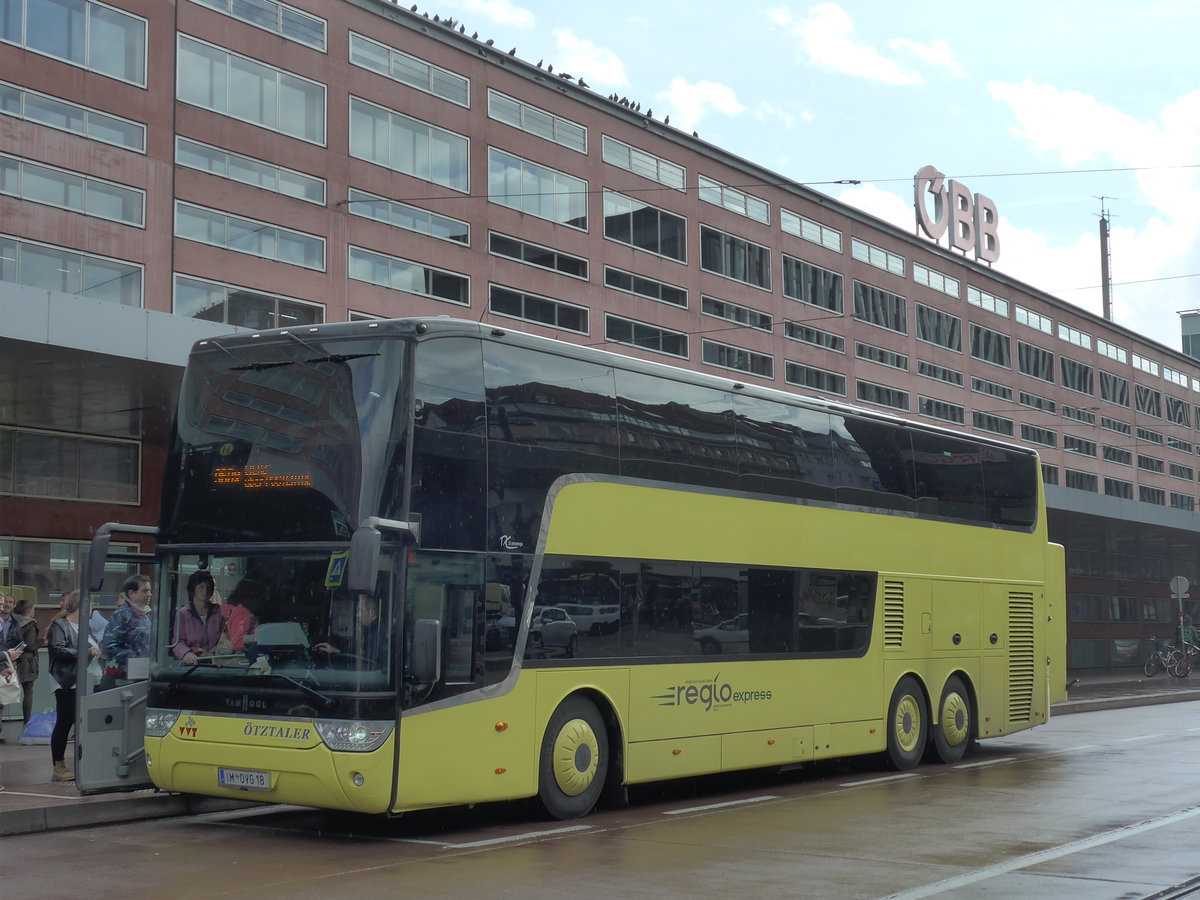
x=64, y=653
x=10, y=639
x=28, y=666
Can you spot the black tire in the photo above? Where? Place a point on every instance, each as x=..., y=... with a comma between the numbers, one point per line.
x=907, y=724
x=955, y=727
x=1151, y=665
x=574, y=760
x=573, y=646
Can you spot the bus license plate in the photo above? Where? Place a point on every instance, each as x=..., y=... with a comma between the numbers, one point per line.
x=244, y=779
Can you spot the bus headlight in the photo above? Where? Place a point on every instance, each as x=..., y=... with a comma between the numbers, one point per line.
x=359, y=737
x=159, y=722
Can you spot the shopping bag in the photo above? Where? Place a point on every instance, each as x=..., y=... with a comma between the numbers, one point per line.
x=10, y=687
x=39, y=728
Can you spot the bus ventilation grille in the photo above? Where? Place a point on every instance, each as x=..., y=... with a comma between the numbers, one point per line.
x=1021, y=667
x=893, y=615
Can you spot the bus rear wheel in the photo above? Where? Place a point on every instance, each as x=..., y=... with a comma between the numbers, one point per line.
x=574, y=759
x=952, y=733
x=907, y=724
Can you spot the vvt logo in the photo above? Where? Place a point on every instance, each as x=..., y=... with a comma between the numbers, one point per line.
x=710, y=694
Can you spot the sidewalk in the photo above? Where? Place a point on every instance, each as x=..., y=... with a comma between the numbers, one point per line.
x=31, y=803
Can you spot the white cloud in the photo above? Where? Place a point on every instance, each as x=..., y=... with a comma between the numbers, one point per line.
x=882, y=204
x=690, y=102
x=827, y=39
x=935, y=53
x=581, y=57
x=503, y=12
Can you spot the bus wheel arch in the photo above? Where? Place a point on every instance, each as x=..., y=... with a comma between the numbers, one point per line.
x=577, y=763
x=907, y=723
x=956, y=721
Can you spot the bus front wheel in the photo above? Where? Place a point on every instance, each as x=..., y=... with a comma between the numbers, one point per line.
x=952, y=733
x=907, y=724
x=574, y=759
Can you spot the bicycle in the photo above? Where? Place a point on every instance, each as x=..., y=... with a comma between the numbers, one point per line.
x=1163, y=655
x=1184, y=659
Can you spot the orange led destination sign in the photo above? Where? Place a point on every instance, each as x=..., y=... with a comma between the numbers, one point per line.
x=255, y=478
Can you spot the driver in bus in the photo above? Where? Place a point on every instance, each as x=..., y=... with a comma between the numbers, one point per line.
x=368, y=646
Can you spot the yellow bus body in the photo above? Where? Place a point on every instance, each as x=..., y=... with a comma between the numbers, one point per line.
x=985, y=604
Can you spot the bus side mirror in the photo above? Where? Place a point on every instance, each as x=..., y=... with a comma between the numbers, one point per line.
x=363, y=565
x=426, y=663
x=97, y=556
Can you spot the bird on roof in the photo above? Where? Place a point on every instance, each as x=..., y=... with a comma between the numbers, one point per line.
x=462, y=29
x=413, y=8
x=650, y=113
x=540, y=61
x=512, y=52
x=695, y=134
x=582, y=83
x=490, y=42
x=436, y=18
x=667, y=119
x=550, y=68
x=566, y=76
x=474, y=35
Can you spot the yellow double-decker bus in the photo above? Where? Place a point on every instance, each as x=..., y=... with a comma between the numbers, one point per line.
x=462, y=564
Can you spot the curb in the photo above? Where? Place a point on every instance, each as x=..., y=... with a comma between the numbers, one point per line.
x=154, y=806
x=1122, y=702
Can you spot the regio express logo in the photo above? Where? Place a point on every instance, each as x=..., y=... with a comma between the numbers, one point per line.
x=710, y=693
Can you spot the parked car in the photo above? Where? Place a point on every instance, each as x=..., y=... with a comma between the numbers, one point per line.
x=730, y=636
x=552, y=632
x=593, y=619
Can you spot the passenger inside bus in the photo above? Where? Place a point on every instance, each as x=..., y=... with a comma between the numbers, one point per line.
x=366, y=647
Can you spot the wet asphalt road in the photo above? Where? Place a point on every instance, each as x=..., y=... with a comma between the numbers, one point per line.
x=1101, y=805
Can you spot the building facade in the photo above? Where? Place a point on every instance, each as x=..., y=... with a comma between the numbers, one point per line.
x=178, y=170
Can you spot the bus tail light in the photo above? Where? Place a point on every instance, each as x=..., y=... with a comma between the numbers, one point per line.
x=360, y=737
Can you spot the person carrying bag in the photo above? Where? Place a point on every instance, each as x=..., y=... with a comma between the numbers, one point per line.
x=10, y=684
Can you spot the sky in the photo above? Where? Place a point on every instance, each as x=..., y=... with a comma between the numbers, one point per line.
x=1055, y=110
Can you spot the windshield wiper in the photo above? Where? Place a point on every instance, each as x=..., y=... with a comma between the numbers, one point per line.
x=259, y=367
x=328, y=702
x=340, y=357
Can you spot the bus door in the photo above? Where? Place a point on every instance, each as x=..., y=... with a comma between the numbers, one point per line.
x=110, y=754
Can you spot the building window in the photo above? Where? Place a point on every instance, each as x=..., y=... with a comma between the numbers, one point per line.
x=1049, y=474
x=1035, y=362
x=1082, y=446
x=1114, y=388
x=212, y=301
x=811, y=284
x=987, y=301
x=1148, y=400
x=734, y=257
x=77, y=193
x=869, y=392
x=1115, y=487
x=410, y=218
x=876, y=306
x=809, y=230
x=940, y=373
x=85, y=34
x=1118, y=455
x=404, y=144
x=990, y=346
x=1116, y=425
x=1147, y=434
x=991, y=389
x=409, y=70
x=739, y=359
x=1179, y=412
x=1112, y=351
x=645, y=227
x=1183, y=501
x=814, y=378
x=1151, y=464
x=733, y=312
x=1079, y=415
x=278, y=18
x=70, y=272
x=1152, y=495
x=1082, y=481
x=806, y=334
x=1035, y=435
x=1076, y=376
x=881, y=355
x=1074, y=336
x=659, y=291
x=937, y=327
x=985, y=421
x=1175, y=376
x=61, y=466
x=648, y=337
x=1148, y=366
x=712, y=191
x=639, y=162
x=1187, y=473
x=877, y=257
x=1182, y=446
x=253, y=92
x=1034, y=320
x=543, y=310
x=936, y=280
x=247, y=170
x=261, y=239
x=941, y=410
x=399, y=274
x=536, y=255
x=537, y=190
x=73, y=118
x=1034, y=401
x=538, y=122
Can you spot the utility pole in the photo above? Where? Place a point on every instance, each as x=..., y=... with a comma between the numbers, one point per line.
x=1105, y=278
